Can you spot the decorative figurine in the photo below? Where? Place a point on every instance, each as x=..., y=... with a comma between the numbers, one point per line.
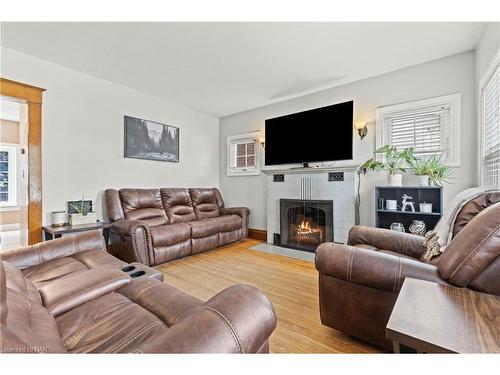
x=405, y=204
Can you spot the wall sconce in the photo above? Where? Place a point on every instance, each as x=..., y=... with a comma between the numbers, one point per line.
x=262, y=142
x=361, y=128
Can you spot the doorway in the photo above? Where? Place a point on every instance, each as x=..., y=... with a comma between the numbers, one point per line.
x=20, y=164
x=13, y=173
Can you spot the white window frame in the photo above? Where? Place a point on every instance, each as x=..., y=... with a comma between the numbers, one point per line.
x=451, y=134
x=246, y=171
x=12, y=149
x=485, y=79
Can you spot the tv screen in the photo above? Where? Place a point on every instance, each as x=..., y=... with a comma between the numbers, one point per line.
x=317, y=135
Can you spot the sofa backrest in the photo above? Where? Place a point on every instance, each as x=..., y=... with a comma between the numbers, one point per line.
x=472, y=258
x=178, y=205
x=205, y=202
x=144, y=205
x=472, y=208
x=26, y=326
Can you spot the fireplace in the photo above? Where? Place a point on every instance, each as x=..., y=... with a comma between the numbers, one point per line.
x=305, y=223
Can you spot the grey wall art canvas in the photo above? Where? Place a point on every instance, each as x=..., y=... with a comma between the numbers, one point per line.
x=151, y=140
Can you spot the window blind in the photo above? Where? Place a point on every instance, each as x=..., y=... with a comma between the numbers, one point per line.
x=491, y=131
x=421, y=129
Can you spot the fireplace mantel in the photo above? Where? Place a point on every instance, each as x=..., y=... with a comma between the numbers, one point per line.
x=313, y=183
x=300, y=170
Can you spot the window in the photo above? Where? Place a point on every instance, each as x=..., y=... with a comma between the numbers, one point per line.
x=430, y=126
x=490, y=123
x=8, y=175
x=243, y=155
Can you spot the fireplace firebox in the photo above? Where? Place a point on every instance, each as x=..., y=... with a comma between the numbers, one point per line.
x=305, y=223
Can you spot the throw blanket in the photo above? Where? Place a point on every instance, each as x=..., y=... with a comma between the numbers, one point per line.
x=437, y=239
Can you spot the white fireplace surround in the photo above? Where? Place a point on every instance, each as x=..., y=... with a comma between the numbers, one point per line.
x=313, y=183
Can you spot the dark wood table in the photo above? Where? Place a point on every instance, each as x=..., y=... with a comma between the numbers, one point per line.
x=435, y=318
x=51, y=231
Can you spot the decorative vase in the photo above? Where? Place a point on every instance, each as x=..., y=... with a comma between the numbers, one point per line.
x=422, y=180
x=395, y=180
x=418, y=227
x=426, y=207
x=397, y=227
x=78, y=219
x=58, y=218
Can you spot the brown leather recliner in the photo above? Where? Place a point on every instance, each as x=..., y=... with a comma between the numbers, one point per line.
x=359, y=282
x=154, y=226
x=69, y=295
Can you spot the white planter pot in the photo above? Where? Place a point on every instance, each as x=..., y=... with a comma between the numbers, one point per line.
x=422, y=180
x=426, y=207
x=395, y=180
x=58, y=218
x=78, y=219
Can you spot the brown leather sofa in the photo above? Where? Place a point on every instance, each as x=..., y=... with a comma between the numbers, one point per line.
x=154, y=226
x=70, y=295
x=359, y=282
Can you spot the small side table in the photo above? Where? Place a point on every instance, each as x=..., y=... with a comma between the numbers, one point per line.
x=51, y=231
x=436, y=318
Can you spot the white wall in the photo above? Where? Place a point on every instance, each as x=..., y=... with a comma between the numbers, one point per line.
x=488, y=46
x=82, y=135
x=454, y=74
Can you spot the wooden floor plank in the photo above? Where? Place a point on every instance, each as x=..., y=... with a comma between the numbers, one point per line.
x=290, y=284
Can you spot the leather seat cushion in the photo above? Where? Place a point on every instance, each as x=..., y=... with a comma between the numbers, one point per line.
x=126, y=320
x=204, y=228
x=170, y=234
x=58, y=268
x=229, y=222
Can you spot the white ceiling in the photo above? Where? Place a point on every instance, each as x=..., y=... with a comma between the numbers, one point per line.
x=225, y=68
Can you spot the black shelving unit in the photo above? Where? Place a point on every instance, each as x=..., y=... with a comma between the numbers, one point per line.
x=430, y=194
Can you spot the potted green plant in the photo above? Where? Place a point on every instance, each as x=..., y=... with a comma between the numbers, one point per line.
x=83, y=212
x=431, y=170
x=394, y=162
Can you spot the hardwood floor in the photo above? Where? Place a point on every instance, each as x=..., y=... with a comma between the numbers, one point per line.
x=290, y=284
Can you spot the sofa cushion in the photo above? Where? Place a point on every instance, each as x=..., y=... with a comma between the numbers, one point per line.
x=144, y=205
x=58, y=268
x=229, y=222
x=178, y=205
x=170, y=234
x=204, y=228
x=126, y=319
x=26, y=325
x=205, y=203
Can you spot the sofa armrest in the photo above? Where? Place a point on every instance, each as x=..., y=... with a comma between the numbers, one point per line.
x=242, y=212
x=403, y=243
x=69, y=292
x=239, y=319
x=371, y=268
x=131, y=241
x=43, y=252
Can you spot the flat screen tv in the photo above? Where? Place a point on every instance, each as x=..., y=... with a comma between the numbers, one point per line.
x=318, y=135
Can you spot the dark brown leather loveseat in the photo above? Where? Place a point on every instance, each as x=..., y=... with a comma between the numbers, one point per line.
x=359, y=282
x=70, y=295
x=154, y=226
